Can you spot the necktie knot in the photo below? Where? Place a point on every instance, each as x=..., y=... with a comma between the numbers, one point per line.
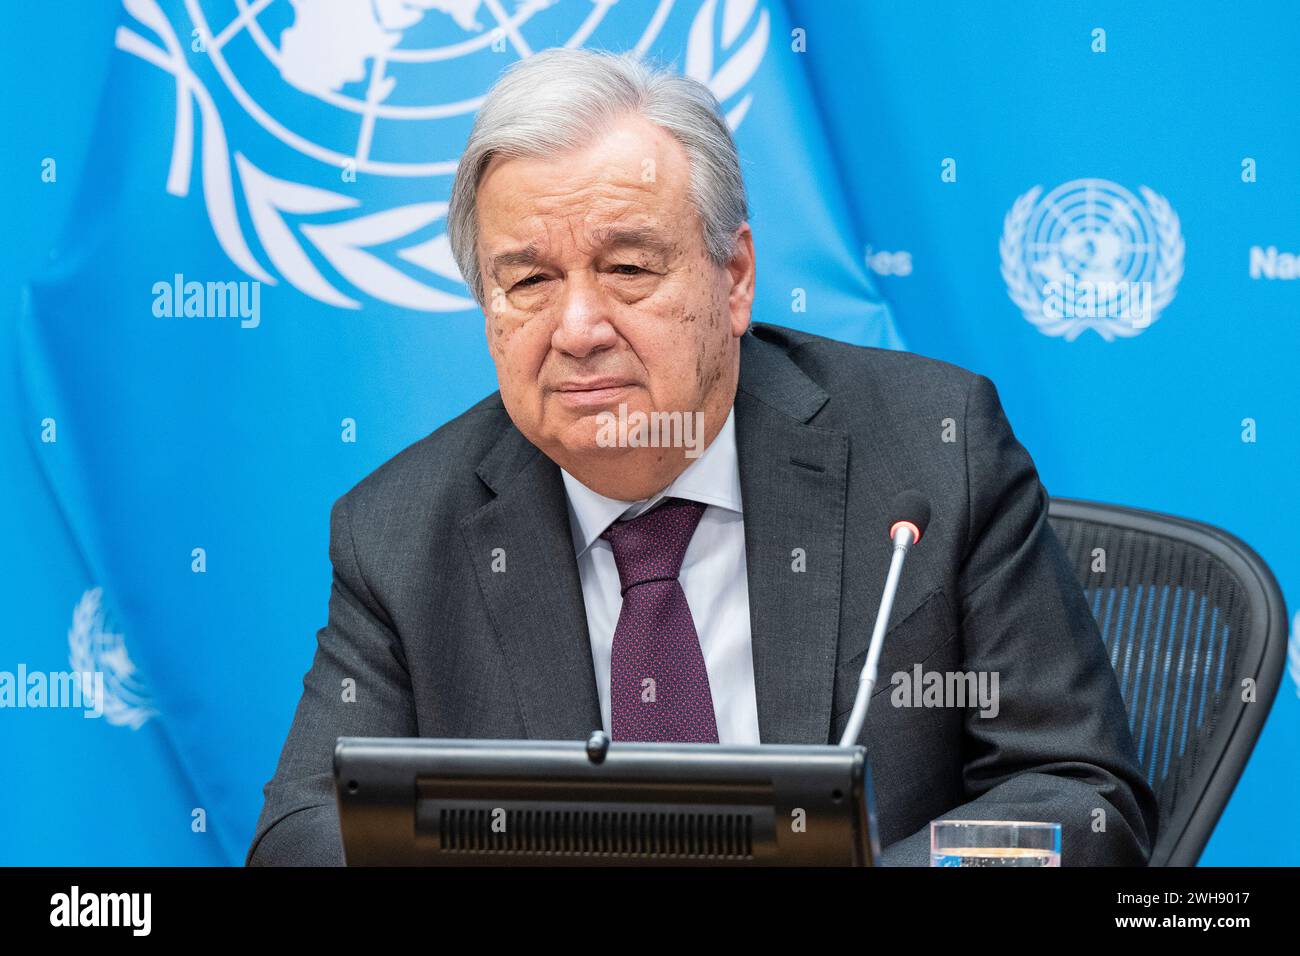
x=651, y=546
x=658, y=681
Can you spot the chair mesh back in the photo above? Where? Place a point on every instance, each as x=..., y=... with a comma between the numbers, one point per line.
x=1174, y=619
x=1187, y=613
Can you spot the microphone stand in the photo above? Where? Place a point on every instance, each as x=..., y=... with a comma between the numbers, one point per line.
x=903, y=537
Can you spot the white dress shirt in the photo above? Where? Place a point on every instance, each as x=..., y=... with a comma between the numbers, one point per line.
x=712, y=575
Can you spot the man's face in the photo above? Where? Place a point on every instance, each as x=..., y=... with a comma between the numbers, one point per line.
x=599, y=293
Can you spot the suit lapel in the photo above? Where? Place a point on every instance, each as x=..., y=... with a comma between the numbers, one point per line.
x=536, y=602
x=793, y=480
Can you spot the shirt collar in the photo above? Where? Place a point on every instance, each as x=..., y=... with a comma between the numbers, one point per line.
x=712, y=479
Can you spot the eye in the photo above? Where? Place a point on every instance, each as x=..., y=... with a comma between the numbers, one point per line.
x=525, y=283
x=636, y=270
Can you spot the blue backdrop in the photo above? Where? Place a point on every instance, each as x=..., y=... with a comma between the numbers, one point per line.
x=919, y=174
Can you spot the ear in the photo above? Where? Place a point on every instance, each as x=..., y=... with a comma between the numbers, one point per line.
x=742, y=268
x=491, y=327
x=488, y=307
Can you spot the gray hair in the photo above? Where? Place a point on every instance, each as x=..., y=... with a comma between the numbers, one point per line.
x=561, y=99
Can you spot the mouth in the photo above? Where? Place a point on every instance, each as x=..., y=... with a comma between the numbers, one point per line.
x=592, y=393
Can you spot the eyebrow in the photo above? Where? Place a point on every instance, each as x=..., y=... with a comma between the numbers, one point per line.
x=642, y=237
x=517, y=257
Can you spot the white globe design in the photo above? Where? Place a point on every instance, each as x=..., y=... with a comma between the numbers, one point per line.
x=94, y=649
x=331, y=43
x=360, y=84
x=1091, y=229
x=1099, y=248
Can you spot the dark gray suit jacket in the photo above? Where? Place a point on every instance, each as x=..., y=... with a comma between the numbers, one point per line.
x=827, y=434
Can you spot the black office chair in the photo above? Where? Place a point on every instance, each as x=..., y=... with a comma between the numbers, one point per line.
x=1187, y=612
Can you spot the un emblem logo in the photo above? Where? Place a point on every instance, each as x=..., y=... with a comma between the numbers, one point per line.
x=94, y=649
x=1091, y=255
x=378, y=95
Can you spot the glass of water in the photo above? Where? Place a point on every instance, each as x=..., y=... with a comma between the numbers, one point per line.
x=994, y=843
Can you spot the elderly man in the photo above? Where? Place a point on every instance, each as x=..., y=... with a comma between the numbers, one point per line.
x=662, y=495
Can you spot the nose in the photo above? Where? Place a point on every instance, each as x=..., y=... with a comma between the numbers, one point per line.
x=585, y=325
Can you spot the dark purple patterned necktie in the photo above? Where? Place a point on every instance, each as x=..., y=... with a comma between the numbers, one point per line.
x=658, y=686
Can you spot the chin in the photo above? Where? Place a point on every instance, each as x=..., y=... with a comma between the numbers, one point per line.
x=586, y=445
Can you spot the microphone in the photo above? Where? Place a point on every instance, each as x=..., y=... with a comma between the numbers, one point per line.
x=910, y=511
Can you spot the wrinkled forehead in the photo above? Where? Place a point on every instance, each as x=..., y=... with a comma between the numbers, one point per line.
x=628, y=149
x=634, y=177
